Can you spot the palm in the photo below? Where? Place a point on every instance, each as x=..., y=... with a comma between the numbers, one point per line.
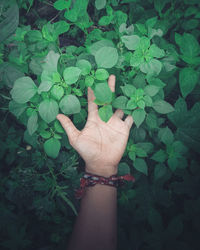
x=100, y=144
x=104, y=142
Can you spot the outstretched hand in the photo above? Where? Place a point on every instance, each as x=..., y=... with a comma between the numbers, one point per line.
x=100, y=144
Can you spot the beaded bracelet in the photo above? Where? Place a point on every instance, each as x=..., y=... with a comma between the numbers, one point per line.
x=89, y=180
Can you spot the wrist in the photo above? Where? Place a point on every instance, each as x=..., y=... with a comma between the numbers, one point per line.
x=105, y=171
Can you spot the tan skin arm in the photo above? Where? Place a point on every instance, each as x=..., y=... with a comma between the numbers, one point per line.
x=101, y=145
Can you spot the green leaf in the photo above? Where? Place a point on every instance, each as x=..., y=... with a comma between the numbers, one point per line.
x=140, y=152
x=45, y=134
x=151, y=90
x=142, y=28
x=155, y=81
x=56, y=77
x=71, y=74
x=70, y=105
x=48, y=110
x=89, y=80
x=150, y=23
x=159, y=156
x=17, y=108
x=61, y=27
x=141, y=104
x=47, y=76
x=159, y=5
x=58, y=127
x=57, y=92
x=61, y=4
x=71, y=15
x=177, y=117
x=190, y=11
x=173, y=163
x=52, y=31
x=191, y=60
x=52, y=147
x=188, y=79
x=131, y=42
x=152, y=121
x=101, y=74
x=162, y=107
x=146, y=146
x=128, y=90
x=29, y=111
x=98, y=45
x=123, y=169
x=32, y=123
x=77, y=92
x=105, y=112
x=57, y=136
x=120, y=102
x=34, y=36
x=48, y=32
x=137, y=58
x=141, y=166
x=131, y=104
x=105, y=20
x=120, y=18
x=84, y=66
x=132, y=155
x=153, y=67
x=67, y=200
x=51, y=62
x=154, y=32
x=103, y=93
x=189, y=45
x=10, y=21
x=144, y=43
x=106, y=57
x=148, y=101
x=154, y=51
x=138, y=116
x=100, y=4
x=179, y=147
x=159, y=171
x=166, y=135
x=44, y=87
x=23, y=90
x=9, y=74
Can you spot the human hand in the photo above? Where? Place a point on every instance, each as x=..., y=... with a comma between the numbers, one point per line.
x=100, y=144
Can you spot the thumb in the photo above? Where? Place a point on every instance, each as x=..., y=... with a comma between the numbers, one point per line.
x=70, y=129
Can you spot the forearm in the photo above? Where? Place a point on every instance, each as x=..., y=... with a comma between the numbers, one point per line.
x=95, y=227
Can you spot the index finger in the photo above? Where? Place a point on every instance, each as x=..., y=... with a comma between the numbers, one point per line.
x=111, y=82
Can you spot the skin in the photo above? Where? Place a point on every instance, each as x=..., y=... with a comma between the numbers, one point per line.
x=101, y=145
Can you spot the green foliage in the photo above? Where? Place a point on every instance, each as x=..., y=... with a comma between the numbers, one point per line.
x=48, y=59
x=106, y=57
x=52, y=147
x=100, y=4
x=48, y=110
x=23, y=90
x=10, y=12
x=70, y=105
x=162, y=107
x=188, y=79
x=103, y=93
x=71, y=75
